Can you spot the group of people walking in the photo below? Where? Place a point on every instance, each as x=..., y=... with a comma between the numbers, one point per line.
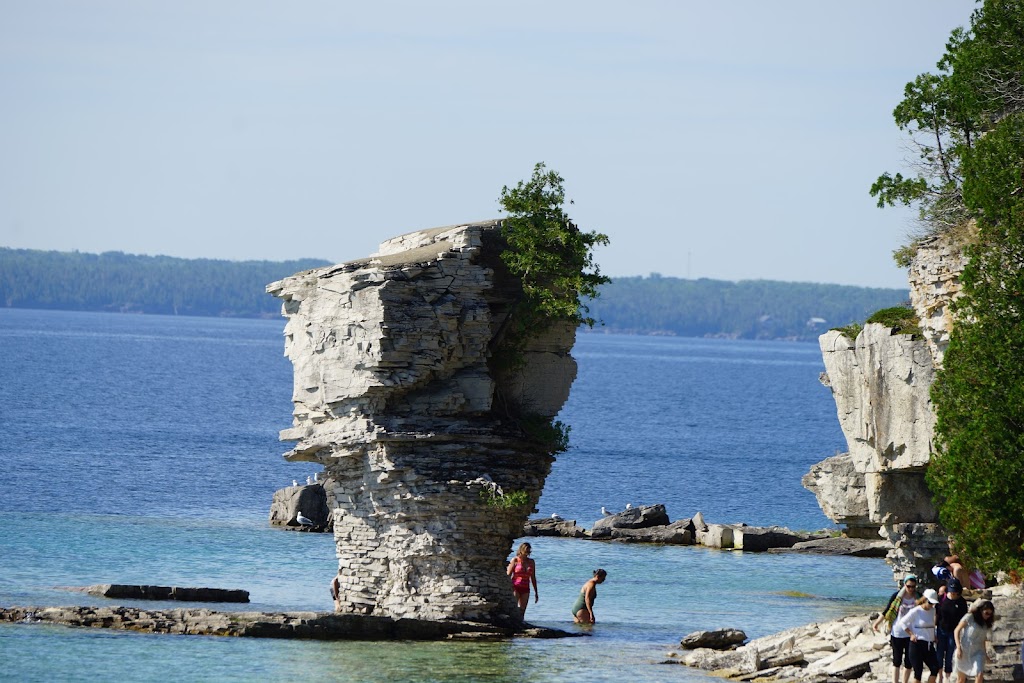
x=523, y=571
x=938, y=631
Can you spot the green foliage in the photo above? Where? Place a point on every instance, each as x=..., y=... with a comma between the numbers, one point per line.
x=850, y=331
x=750, y=309
x=553, y=435
x=119, y=282
x=900, y=318
x=504, y=501
x=554, y=263
x=904, y=256
x=551, y=256
x=978, y=467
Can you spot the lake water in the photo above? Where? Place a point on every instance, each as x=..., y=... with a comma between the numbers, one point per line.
x=143, y=449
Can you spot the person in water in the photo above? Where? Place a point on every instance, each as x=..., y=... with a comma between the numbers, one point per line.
x=583, y=608
x=523, y=571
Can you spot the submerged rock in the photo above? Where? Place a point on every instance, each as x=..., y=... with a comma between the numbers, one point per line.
x=117, y=590
x=302, y=625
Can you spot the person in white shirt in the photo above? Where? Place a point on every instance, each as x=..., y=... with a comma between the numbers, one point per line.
x=919, y=623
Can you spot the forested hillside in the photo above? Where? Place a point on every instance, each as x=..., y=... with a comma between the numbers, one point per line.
x=117, y=282
x=749, y=309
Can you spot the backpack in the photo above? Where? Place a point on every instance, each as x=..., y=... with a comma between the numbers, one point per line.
x=892, y=610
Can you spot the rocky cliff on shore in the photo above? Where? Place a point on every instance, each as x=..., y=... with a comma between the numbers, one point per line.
x=881, y=383
x=431, y=474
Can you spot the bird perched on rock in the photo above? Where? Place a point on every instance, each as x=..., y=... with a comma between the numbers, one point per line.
x=309, y=481
x=604, y=511
x=629, y=506
x=316, y=477
x=555, y=517
x=295, y=482
x=303, y=520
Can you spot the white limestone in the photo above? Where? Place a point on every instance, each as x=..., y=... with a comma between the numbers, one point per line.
x=395, y=394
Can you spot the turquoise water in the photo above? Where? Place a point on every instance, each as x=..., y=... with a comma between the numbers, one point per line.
x=144, y=450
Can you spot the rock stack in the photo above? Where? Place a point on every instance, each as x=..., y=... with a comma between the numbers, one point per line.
x=432, y=469
x=881, y=384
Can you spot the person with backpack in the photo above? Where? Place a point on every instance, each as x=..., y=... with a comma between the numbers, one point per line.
x=901, y=602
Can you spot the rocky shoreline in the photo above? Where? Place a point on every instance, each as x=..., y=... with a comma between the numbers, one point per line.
x=651, y=524
x=304, y=625
x=841, y=649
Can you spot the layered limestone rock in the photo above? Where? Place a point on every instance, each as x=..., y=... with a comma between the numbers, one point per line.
x=934, y=284
x=881, y=384
x=422, y=437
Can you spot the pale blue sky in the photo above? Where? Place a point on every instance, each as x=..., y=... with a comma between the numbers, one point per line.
x=730, y=140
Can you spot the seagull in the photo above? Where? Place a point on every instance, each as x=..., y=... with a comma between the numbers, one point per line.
x=629, y=506
x=316, y=477
x=295, y=482
x=309, y=481
x=303, y=520
x=604, y=511
x=554, y=516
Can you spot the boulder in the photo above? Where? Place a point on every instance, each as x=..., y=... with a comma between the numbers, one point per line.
x=698, y=523
x=553, y=527
x=640, y=517
x=667, y=534
x=310, y=500
x=760, y=539
x=721, y=639
x=716, y=536
x=733, y=662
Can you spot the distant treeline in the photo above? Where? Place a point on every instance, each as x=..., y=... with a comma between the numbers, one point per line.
x=749, y=309
x=118, y=282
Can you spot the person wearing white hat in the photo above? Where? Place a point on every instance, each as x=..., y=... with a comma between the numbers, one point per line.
x=920, y=624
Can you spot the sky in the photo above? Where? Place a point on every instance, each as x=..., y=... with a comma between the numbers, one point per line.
x=727, y=140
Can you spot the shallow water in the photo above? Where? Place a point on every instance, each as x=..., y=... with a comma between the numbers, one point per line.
x=144, y=450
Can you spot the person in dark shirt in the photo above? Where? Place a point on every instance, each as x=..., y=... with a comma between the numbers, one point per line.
x=950, y=611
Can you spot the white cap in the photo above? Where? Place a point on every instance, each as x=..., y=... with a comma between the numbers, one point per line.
x=932, y=596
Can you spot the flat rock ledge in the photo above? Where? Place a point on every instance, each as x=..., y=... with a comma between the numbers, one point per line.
x=651, y=524
x=843, y=649
x=126, y=591
x=301, y=625
x=854, y=547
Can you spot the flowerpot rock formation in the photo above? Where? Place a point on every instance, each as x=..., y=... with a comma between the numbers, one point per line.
x=421, y=432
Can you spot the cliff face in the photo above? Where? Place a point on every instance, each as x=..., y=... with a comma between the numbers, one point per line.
x=395, y=395
x=881, y=382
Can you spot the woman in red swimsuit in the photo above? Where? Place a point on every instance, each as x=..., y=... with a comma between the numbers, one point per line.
x=523, y=571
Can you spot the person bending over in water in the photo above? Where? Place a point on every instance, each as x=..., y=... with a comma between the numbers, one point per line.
x=523, y=570
x=583, y=608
